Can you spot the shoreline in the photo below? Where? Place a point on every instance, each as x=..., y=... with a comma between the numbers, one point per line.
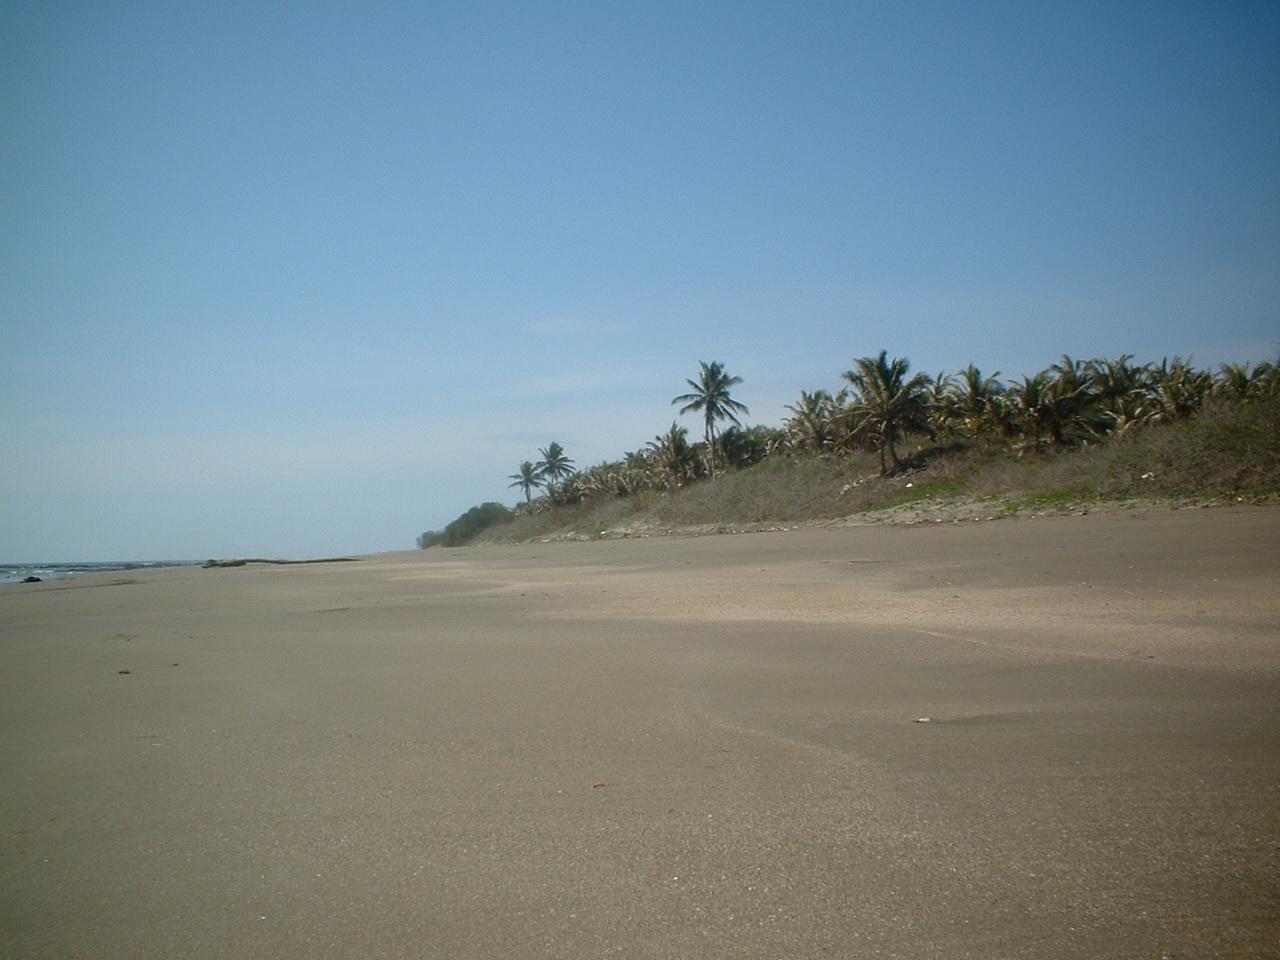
x=56, y=570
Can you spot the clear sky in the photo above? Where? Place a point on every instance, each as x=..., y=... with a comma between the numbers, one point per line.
x=306, y=278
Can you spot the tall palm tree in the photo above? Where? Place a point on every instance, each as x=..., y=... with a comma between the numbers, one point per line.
x=711, y=396
x=888, y=403
x=526, y=479
x=554, y=465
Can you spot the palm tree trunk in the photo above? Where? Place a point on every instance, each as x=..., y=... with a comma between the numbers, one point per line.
x=711, y=448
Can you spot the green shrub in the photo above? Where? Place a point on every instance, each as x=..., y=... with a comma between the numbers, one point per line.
x=465, y=528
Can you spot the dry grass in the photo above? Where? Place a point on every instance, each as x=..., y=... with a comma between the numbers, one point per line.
x=1227, y=450
x=778, y=489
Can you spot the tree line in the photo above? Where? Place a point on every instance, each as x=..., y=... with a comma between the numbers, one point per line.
x=881, y=404
x=667, y=461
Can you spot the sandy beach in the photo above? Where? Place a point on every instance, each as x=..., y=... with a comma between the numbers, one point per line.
x=661, y=748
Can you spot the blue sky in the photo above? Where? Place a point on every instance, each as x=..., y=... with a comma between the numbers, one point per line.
x=305, y=278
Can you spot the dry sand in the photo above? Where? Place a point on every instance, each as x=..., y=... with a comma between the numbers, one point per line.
x=660, y=748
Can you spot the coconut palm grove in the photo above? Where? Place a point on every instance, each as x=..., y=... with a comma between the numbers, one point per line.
x=1217, y=431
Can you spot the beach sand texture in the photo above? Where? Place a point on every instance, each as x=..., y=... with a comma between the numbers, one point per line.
x=676, y=747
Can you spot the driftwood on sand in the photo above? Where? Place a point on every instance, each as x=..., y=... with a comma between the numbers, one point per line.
x=242, y=561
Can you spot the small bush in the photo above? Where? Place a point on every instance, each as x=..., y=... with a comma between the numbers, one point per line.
x=586, y=516
x=465, y=528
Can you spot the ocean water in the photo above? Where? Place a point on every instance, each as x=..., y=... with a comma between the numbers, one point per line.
x=17, y=572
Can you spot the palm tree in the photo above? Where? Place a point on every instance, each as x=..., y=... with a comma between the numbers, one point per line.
x=1030, y=405
x=974, y=399
x=1118, y=384
x=1237, y=381
x=889, y=404
x=1073, y=376
x=742, y=447
x=711, y=396
x=554, y=465
x=811, y=421
x=1121, y=391
x=636, y=472
x=1178, y=390
x=1234, y=381
x=1264, y=380
x=672, y=457
x=940, y=396
x=1071, y=411
x=526, y=479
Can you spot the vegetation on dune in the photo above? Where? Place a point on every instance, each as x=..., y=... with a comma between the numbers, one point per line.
x=1079, y=430
x=464, y=529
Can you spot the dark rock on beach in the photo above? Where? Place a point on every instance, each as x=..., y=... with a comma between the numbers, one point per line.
x=242, y=561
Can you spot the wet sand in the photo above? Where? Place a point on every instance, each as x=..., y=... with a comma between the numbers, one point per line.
x=660, y=748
